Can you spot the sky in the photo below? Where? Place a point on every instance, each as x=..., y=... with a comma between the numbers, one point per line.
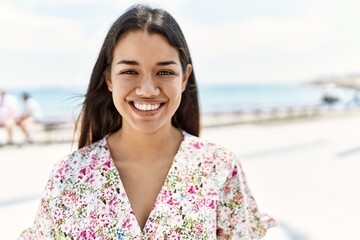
x=56, y=42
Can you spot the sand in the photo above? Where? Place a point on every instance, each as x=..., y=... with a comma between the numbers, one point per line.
x=303, y=173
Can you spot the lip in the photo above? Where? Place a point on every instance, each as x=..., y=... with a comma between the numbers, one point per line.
x=147, y=113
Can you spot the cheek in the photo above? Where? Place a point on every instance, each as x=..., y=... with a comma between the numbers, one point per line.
x=121, y=87
x=176, y=88
x=119, y=92
x=174, y=93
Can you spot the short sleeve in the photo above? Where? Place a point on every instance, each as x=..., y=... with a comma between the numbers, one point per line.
x=238, y=216
x=42, y=227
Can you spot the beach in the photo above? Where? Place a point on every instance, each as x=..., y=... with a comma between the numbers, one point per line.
x=304, y=173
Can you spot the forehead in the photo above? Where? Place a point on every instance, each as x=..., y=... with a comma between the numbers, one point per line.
x=141, y=45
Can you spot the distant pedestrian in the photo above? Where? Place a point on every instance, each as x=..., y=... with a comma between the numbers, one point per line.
x=8, y=109
x=32, y=113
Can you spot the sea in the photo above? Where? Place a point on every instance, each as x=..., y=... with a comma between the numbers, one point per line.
x=215, y=98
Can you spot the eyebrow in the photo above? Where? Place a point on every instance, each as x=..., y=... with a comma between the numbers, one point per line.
x=164, y=63
x=135, y=63
x=127, y=62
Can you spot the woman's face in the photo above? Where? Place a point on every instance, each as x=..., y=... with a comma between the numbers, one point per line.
x=146, y=81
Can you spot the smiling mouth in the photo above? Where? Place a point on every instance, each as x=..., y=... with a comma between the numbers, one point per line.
x=146, y=106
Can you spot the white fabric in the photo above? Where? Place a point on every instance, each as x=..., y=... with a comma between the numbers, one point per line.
x=33, y=109
x=9, y=107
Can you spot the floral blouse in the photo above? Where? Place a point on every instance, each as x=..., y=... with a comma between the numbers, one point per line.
x=204, y=196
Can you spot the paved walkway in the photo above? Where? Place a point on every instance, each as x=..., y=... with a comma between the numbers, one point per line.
x=304, y=174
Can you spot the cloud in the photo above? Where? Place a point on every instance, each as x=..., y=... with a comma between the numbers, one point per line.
x=38, y=49
x=276, y=49
x=50, y=34
x=28, y=33
x=321, y=40
x=42, y=49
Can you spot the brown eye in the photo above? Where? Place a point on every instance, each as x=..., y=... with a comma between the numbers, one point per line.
x=165, y=72
x=129, y=72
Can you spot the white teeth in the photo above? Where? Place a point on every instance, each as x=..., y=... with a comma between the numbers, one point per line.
x=146, y=107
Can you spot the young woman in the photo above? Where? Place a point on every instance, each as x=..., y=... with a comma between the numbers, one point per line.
x=141, y=172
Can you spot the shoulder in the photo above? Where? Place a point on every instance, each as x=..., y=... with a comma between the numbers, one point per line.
x=82, y=161
x=88, y=152
x=209, y=154
x=199, y=145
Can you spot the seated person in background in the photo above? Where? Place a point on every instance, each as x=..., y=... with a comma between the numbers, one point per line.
x=32, y=113
x=8, y=109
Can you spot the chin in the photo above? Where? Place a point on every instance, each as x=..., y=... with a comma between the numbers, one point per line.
x=150, y=128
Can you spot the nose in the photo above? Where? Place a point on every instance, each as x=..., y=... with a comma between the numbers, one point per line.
x=147, y=88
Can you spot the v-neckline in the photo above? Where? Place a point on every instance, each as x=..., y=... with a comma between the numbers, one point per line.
x=122, y=188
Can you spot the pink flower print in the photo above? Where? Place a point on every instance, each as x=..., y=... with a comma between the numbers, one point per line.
x=90, y=179
x=59, y=172
x=82, y=173
x=238, y=197
x=83, y=151
x=196, y=208
x=187, y=179
x=67, y=199
x=108, y=193
x=93, y=220
x=197, y=145
x=92, y=215
x=79, y=202
x=211, y=192
x=51, y=186
x=167, y=193
x=193, y=189
x=234, y=173
x=227, y=189
x=228, y=166
x=126, y=224
x=106, y=165
x=167, y=196
x=104, y=220
x=59, y=214
x=209, y=161
x=170, y=201
x=59, y=176
x=173, y=235
x=93, y=161
x=212, y=204
x=198, y=228
x=83, y=235
x=74, y=230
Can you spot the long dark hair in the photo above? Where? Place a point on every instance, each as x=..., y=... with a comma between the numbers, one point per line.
x=99, y=116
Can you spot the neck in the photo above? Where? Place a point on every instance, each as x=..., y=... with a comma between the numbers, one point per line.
x=133, y=145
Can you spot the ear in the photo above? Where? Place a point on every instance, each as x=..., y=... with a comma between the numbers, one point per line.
x=107, y=77
x=186, y=76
